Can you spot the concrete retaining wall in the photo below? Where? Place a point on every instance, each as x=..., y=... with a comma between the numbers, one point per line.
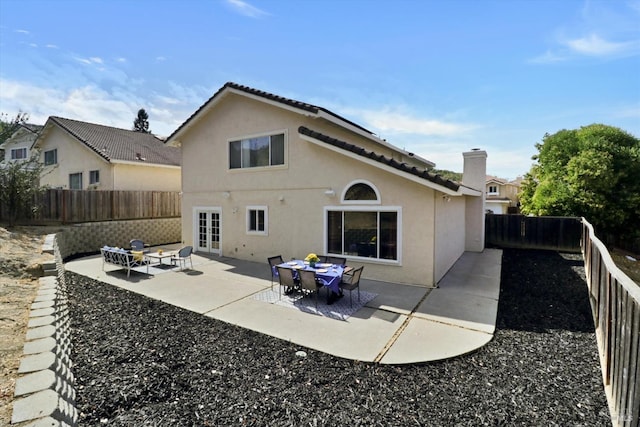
x=44, y=392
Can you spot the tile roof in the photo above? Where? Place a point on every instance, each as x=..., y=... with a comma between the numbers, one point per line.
x=271, y=97
x=437, y=179
x=121, y=144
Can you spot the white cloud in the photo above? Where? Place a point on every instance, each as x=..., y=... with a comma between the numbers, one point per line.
x=549, y=57
x=594, y=45
x=160, y=58
x=52, y=46
x=246, y=9
x=96, y=60
x=396, y=121
x=22, y=31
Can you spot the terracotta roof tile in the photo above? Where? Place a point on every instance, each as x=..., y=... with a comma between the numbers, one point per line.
x=272, y=97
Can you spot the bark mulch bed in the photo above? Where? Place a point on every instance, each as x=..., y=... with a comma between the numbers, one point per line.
x=142, y=362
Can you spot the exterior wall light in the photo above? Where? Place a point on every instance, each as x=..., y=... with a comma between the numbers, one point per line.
x=329, y=193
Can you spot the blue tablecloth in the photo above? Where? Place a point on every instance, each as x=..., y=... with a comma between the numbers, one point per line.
x=330, y=278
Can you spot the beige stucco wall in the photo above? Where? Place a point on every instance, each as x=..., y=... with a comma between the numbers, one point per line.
x=75, y=157
x=449, y=231
x=145, y=177
x=20, y=139
x=297, y=222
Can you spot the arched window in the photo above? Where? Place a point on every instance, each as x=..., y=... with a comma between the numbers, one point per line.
x=361, y=192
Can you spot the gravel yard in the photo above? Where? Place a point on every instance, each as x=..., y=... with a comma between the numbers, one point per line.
x=142, y=362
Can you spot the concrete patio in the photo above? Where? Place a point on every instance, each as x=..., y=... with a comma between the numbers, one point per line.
x=403, y=324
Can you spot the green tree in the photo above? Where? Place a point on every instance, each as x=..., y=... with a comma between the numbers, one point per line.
x=19, y=180
x=141, y=123
x=593, y=172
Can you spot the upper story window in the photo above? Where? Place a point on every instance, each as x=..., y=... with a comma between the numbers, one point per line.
x=75, y=181
x=19, y=153
x=260, y=151
x=94, y=177
x=51, y=157
x=493, y=189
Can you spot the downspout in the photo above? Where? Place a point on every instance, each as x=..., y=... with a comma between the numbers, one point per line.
x=435, y=239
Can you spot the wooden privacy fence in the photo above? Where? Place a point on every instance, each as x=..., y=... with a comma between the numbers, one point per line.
x=528, y=232
x=74, y=206
x=615, y=303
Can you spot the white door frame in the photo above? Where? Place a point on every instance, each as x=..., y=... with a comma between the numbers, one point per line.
x=211, y=212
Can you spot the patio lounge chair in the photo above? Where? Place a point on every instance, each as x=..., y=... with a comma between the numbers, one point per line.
x=182, y=256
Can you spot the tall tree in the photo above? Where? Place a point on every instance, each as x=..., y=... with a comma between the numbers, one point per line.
x=19, y=180
x=593, y=172
x=141, y=123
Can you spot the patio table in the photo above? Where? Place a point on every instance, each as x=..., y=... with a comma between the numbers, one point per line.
x=159, y=256
x=329, y=274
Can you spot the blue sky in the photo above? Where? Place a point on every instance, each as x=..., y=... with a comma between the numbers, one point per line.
x=434, y=77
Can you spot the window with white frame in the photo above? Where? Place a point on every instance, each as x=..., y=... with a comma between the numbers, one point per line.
x=94, y=177
x=51, y=157
x=257, y=220
x=493, y=189
x=75, y=181
x=260, y=151
x=19, y=153
x=363, y=231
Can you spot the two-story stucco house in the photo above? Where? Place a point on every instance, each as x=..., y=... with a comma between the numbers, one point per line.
x=19, y=146
x=502, y=195
x=80, y=155
x=264, y=175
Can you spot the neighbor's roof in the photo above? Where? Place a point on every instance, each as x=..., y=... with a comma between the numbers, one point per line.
x=118, y=145
x=296, y=105
x=379, y=158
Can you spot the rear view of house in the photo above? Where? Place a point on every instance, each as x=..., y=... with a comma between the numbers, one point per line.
x=264, y=175
x=79, y=156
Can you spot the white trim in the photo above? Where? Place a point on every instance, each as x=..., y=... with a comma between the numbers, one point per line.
x=195, y=224
x=378, y=200
x=265, y=209
x=366, y=208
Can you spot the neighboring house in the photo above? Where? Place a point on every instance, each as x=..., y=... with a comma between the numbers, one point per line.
x=19, y=146
x=264, y=175
x=79, y=155
x=502, y=195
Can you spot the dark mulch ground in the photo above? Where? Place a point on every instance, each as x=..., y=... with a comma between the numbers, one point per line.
x=142, y=362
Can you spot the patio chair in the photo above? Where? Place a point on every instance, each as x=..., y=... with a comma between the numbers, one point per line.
x=137, y=245
x=336, y=260
x=309, y=283
x=273, y=262
x=287, y=279
x=351, y=281
x=182, y=256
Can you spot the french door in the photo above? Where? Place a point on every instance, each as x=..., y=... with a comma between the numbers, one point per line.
x=207, y=225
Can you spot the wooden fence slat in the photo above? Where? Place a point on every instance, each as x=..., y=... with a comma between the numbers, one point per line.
x=75, y=206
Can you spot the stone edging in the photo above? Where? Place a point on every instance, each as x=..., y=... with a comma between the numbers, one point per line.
x=44, y=391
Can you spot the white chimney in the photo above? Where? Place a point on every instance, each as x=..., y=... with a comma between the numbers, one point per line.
x=474, y=175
